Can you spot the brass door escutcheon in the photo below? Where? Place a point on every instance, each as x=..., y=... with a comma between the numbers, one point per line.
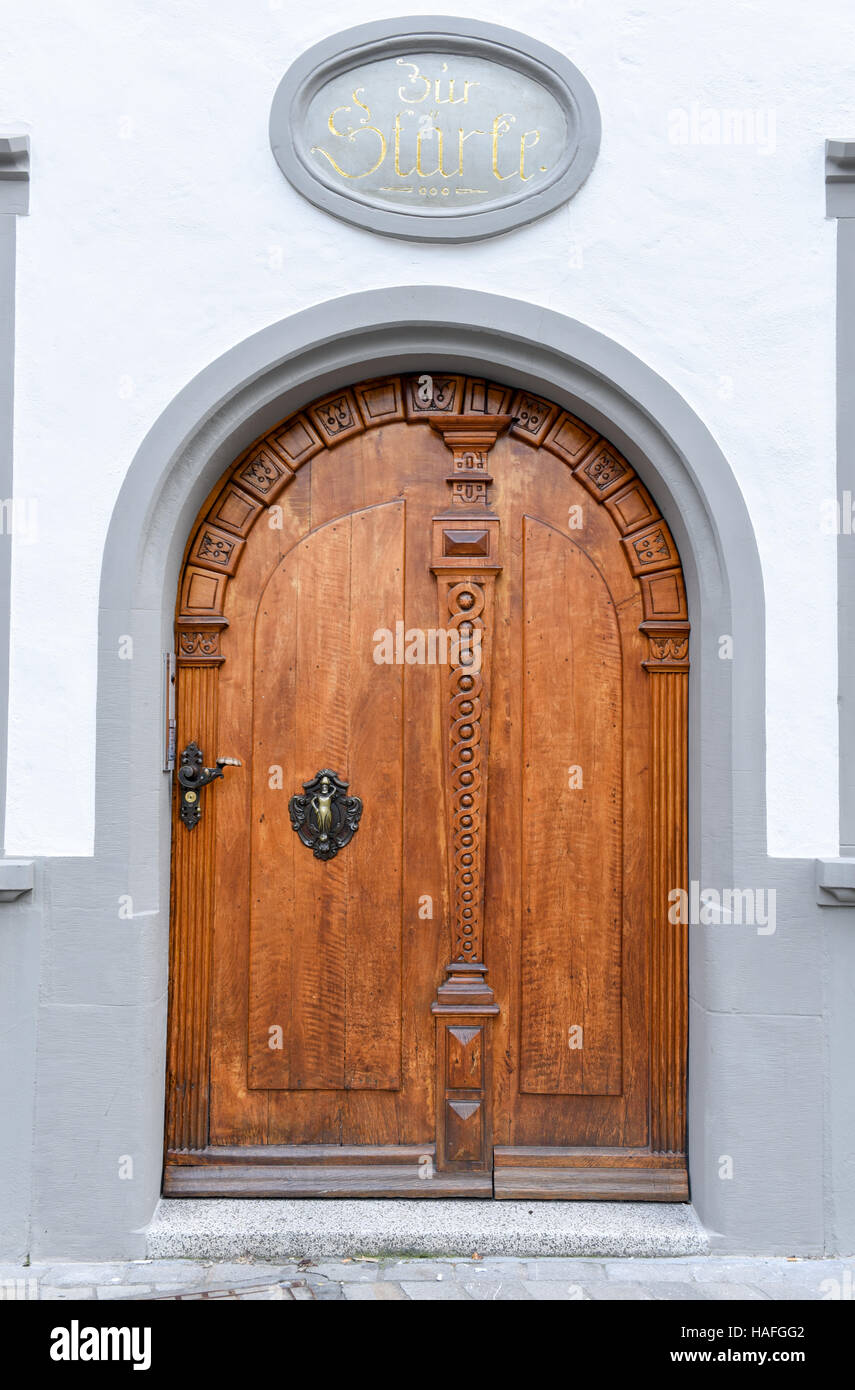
x=192, y=776
x=325, y=817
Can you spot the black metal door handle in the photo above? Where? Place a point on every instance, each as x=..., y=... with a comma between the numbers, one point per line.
x=192, y=776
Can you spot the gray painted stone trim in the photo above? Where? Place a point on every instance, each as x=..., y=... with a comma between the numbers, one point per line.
x=840, y=188
x=386, y=38
x=835, y=882
x=17, y=876
x=7, y=384
x=14, y=174
x=840, y=178
x=14, y=200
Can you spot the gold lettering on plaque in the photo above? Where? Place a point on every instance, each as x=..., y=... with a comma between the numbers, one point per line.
x=402, y=173
x=416, y=77
x=451, y=99
x=427, y=173
x=523, y=147
x=352, y=135
x=461, y=141
x=501, y=126
x=413, y=133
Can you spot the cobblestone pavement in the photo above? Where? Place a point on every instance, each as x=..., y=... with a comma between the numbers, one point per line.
x=711, y=1278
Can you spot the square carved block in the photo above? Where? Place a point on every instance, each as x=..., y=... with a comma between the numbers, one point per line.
x=297, y=441
x=381, y=401
x=533, y=417
x=430, y=395
x=664, y=597
x=604, y=472
x=569, y=439
x=215, y=549
x=632, y=508
x=235, y=510
x=651, y=549
x=202, y=593
x=263, y=474
x=487, y=397
x=337, y=417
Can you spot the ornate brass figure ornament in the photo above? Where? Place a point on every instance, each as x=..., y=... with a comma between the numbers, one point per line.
x=325, y=817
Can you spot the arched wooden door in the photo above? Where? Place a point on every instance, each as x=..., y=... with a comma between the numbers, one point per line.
x=455, y=974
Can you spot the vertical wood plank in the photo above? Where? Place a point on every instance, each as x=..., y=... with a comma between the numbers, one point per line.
x=374, y=857
x=322, y=739
x=239, y=1113
x=273, y=686
x=572, y=835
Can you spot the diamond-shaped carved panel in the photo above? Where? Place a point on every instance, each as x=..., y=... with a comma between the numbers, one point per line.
x=464, y=1058
x=463, y=1130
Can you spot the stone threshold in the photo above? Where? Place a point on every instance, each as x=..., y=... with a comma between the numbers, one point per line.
x=231, y=1228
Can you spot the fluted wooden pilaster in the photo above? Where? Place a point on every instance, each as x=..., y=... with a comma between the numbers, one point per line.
x=192, y=916
x=668, y=669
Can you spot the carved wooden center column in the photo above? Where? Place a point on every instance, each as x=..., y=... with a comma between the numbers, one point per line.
x=465, y=553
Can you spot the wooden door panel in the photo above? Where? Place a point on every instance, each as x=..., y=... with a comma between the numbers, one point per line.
x=238, y=1114
x=325, y=936
x=570, y=1023
x=525, y=1117
x=383, y=1083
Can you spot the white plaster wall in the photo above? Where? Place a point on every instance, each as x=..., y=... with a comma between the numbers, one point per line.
x=162, y=232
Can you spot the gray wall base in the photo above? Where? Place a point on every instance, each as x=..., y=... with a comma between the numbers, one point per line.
x=770, y=1017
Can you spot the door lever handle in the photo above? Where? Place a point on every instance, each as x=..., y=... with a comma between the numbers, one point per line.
x=192, y=776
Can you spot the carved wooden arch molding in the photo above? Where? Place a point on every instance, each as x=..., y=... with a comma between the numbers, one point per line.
x=265, y=469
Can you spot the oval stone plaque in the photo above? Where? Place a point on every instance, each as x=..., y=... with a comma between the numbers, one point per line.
x=435, y=129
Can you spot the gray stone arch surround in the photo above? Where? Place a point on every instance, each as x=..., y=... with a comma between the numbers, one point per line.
x=758, y=1037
